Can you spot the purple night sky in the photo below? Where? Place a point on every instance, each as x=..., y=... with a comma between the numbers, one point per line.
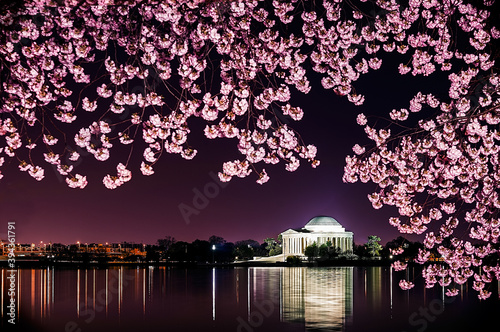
x=147, y=208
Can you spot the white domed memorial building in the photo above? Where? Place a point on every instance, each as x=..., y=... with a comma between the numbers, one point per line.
x=320, y=230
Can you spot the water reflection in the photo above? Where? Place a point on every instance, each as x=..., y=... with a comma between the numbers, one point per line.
x=213, y=293
x=34, y=288
x=239, y=299
x=321, y=298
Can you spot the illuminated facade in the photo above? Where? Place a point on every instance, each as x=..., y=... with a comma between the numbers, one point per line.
x=320, y=230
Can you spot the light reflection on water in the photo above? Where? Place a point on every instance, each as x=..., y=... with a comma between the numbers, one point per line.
x=223, y=299
x=321, y=298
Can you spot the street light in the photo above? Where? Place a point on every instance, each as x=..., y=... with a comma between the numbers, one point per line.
x=213, y=252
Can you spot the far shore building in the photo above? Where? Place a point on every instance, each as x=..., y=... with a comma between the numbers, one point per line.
x=320, y=230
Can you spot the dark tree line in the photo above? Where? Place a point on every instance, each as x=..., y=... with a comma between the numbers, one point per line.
x=215, y=249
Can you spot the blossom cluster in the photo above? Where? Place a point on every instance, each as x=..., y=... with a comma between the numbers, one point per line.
x=140, y=68
x=91, y=78
x=443, y=176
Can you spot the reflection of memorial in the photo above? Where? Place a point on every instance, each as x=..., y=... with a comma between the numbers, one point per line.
x=374, y=287
x=321, y=298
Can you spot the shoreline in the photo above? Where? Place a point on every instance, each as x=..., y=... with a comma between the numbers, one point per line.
x=336, y=263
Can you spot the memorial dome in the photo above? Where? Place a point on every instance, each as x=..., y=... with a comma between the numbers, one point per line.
x=324, y=223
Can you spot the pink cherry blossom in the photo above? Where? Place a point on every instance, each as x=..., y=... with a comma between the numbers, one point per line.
x=399, y=266
x=404, y=284
x=146, y=169
x=78, y=181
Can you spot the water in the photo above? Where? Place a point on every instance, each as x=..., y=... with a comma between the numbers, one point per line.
x=237, y=299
